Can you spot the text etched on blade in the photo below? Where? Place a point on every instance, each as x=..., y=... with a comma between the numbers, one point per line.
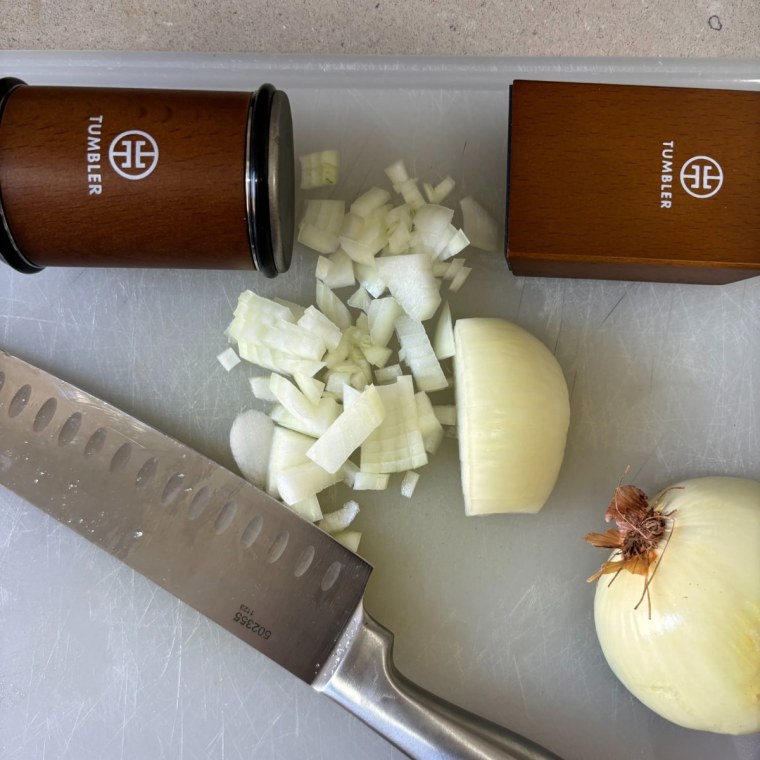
x=244, y=616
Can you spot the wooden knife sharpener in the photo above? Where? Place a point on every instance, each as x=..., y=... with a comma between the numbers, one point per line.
x=629, y=182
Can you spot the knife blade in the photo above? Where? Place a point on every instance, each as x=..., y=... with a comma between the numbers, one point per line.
x=230, y=551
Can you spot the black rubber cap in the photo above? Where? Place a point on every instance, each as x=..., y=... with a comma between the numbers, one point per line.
x=9, y=251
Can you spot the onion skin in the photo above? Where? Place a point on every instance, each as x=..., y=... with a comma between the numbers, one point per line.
x=696, y=662
x=513, y=413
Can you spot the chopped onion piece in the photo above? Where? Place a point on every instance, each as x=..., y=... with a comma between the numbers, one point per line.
x=285, y=337
x=228, y=359
x=399, y=215
x=348, y=431
x=399, y=240
x=443, y=339
x=308, y=508
x=325, y=215
x=338, y=355
x=440, y=268
x=319, y=169
x=410, y=280
x=409, y=191
x=359, y=252
x=381, y=316
x=377, y=356
x=340, y=519
x=362, y=324
x=277, y=361
x=323, y=268
x=343, y=270
x=373, y=199
x=302, y=481
x=409, y=483
x=443, y=189
x=455, y=244
x=371, y=481
x=336, y=381
x=360, y=299
x=396, y=444
x=396, y=172
x=453, y=267
x=479, y=226
x=459, y=278
x=295, y=309
x=326, y=412
x=310, y=387
x=388, y=374
x=446, y=414
x=419, y=354
x=260, y=388
x=349, y=538
x=349, y=471
x=433, y=219
x=251, y=443
x=370, y=279
x=332, y=307
x=290, y=397
x=257, y=307
x=318, y=240
x=314, y=321
x=349, y=396
x=288, y=449
x=430, y=426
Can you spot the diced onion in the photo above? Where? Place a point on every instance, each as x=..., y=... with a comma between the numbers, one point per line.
x=319, y=169
x=347, y=432
x=302, y=481
x=260, y=388
x=396, y=444
x=382, y=315
x=396, y=172
x=419, y=354
x=360, y=299
x=308, y=508
x=370, y=201
x=479, y=226
x=332, y=307
x=443, y=339
x=409, y=483
x=388, y=374
x=370, y=481
x=228, y=359
x=411, y=282
x=340, y=519
x=349, y=538
x=287, y=449
x=251, y=443
x=429, y=424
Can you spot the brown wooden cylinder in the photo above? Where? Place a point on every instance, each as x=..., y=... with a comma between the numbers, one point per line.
x=132, y=178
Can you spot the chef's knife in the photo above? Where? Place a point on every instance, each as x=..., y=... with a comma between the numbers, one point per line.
x=230, y=551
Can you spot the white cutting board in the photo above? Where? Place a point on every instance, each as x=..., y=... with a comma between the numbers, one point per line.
x=493, y=613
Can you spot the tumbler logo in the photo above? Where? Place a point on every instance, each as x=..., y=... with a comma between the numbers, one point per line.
x=701, y=176
x=133, y=154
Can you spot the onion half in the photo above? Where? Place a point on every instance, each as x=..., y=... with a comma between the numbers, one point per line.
x=513, y=413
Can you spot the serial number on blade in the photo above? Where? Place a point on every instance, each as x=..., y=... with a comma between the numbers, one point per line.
x=244, y=617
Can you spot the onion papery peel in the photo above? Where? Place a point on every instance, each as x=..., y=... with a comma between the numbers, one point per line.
x=642, y=527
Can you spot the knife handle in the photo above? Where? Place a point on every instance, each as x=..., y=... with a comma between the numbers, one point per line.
x=361, y=677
